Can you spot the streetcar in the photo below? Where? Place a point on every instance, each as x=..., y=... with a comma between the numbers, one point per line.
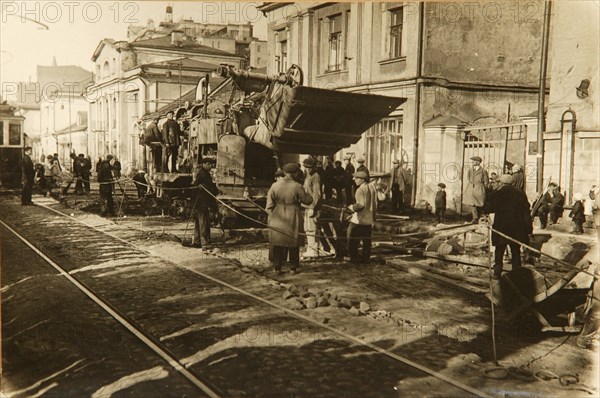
x=12, y=143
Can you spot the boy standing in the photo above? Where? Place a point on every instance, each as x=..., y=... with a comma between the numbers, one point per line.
x=577, y=214
x=440, y=203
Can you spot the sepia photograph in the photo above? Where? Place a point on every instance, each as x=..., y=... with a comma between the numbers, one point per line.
x=299, y=199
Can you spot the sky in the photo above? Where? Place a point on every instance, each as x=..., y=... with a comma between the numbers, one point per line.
x=76, y=27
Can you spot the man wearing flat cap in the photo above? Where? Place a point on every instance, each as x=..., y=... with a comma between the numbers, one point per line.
x=105, y=179
x=312, y=186
x=362, y=167
x=348, y=183
x=399, y=180
x=476, y=179
x=284, y=200
x=364, y=212
x=28, y=174
x=204, y=201
x=512, y=218
x=172, y=138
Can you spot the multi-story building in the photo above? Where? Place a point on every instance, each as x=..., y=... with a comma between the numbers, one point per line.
x=62, y=105
x=462, y=63
x=236, y=38
x=134, y=78
x=572, y=133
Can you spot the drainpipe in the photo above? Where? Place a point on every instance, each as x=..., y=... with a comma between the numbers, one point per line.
x=541, y=96
x=413, y=198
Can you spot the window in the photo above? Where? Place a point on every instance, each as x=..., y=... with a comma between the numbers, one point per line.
x=14, y=134
x=1, y=133
x=335, y=43
x=189, y=32
x=105, y=69
x=113, y=112
x=106, y=119
x=396, y=32
x=384, y=144
x=281, y=59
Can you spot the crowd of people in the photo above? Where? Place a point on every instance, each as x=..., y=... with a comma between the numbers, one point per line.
x=48, y=175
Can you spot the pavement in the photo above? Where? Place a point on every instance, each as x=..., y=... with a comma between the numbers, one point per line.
x=441, y=328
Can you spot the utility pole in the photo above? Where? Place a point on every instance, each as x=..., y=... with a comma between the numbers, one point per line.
x=541, y=97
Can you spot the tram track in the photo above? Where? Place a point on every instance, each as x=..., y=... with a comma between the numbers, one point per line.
x=131, y=251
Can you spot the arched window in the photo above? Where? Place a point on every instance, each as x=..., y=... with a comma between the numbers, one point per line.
x=105, y=69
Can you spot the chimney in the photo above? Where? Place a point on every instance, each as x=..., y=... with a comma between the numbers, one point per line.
x=176, y=38
x=169, y=15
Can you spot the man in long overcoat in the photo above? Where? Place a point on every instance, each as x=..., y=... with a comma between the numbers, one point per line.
x=512, y=218
x=398, y=182
x=312, y=186
x=283, y=206
x=28, y=175
x=476, y=179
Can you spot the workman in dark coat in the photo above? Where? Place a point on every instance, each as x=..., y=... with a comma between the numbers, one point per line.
x=440, y=202
x=329, y=179
x=363, y=168
x=105, y=179
x=339, y=175
x=349, y=179
x=76, y=176
x=512, y=218
x=553, y=203
x=204, y=201
x=28, y=176
x=86, y=172
x=518, y=178
x=284, y=202
x=172, y=138
x=153, y=138
x=139, y=179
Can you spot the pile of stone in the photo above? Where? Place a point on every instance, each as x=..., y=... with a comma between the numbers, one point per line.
x=299, y=298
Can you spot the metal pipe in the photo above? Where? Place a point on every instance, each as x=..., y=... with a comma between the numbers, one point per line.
x=227, y=71
x=541, y=96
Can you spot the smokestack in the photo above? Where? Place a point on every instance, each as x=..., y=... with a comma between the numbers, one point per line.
x=169, y=15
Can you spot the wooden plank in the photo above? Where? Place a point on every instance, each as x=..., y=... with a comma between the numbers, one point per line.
x=438, y=278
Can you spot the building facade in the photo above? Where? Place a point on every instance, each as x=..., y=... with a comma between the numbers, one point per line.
x=60, y=89
x=136, y=78
x=572, y=134
x=476, y=63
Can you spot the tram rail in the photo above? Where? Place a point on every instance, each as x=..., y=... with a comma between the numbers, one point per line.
x=176, y=364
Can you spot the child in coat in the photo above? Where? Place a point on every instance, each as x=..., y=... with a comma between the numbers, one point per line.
x=440, y=202
x=577, y=214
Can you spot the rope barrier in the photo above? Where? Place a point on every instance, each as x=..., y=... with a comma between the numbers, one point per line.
x=492, y=296
x=409, y=234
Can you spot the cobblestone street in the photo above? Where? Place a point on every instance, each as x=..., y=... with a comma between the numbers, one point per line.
x=238, y=344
